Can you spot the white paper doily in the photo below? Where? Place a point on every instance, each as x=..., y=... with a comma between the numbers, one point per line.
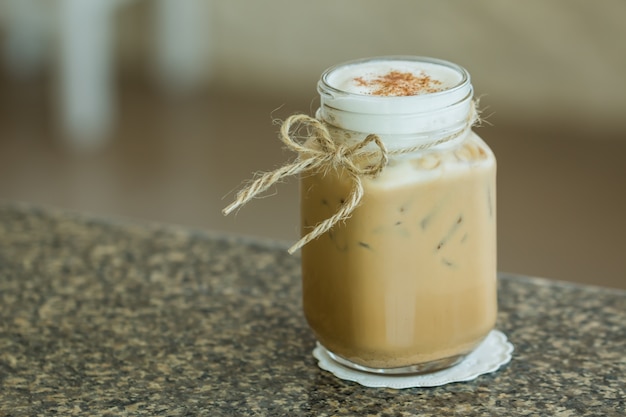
x=490, y=355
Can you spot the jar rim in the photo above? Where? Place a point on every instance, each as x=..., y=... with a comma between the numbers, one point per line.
x=396, y=114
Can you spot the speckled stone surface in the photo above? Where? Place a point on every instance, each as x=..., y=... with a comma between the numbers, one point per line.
x=112, y=318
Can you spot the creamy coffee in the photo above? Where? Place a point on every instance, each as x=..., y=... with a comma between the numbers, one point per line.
x=410, y=277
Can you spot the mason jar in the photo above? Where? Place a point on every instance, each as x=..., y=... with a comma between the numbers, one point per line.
x=407, y=283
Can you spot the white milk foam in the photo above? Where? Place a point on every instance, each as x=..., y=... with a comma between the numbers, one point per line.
x=347, y=100
x=346, y=78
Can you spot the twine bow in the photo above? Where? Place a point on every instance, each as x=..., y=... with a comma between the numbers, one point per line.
x=323, y=154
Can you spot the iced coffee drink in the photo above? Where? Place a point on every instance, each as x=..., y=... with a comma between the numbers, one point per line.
x=408, y=282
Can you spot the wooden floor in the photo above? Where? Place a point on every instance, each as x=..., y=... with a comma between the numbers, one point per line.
x=561, y=194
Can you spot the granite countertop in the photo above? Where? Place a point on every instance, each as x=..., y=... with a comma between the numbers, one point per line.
x=112, y=318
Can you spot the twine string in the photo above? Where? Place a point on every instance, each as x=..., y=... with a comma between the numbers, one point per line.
x=323, y=154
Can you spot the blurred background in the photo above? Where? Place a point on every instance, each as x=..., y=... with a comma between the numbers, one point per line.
x=159, y=109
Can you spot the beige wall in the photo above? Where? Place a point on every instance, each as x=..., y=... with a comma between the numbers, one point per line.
x=533, y=60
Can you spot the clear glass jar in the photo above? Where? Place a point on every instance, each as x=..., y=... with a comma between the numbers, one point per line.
x=407, y=284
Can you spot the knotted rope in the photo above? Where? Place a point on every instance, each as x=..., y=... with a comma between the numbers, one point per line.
x=322, y=154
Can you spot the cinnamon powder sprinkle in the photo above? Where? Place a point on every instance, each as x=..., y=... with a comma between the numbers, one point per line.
x=396, y=83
